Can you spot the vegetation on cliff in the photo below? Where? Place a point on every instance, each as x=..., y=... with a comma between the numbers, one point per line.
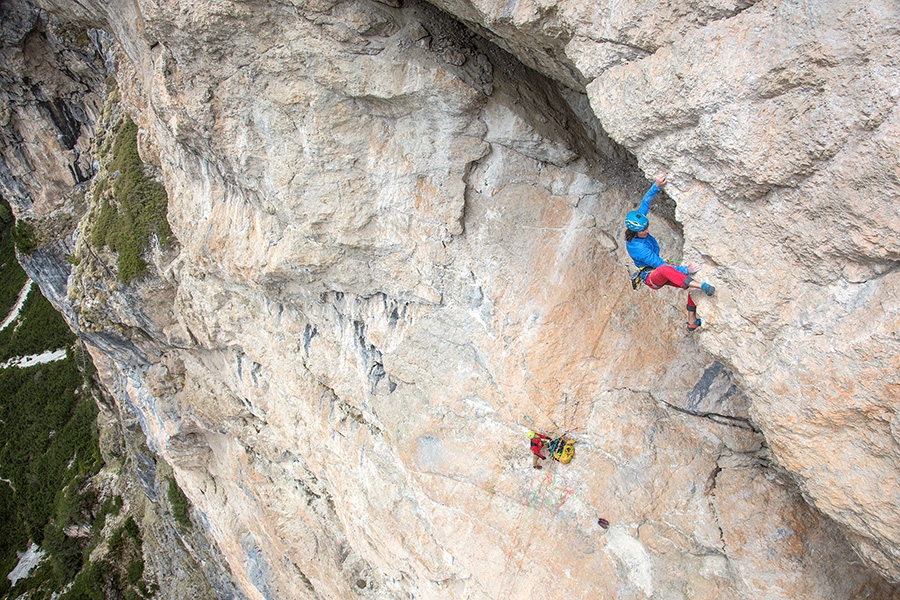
x=49, y=456
x=13, y=278
x=129, y=206
x=49, y=444
x=122, y=570
x=179, y=503
x=132, y=205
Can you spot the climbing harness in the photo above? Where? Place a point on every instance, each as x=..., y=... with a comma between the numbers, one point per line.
x=638, y=276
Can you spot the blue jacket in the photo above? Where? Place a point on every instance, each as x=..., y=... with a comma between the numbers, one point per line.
x=645, y=251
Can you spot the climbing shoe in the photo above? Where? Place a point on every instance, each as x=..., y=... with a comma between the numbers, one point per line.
x=710, y=290
x=603, y=523
x=695, y=325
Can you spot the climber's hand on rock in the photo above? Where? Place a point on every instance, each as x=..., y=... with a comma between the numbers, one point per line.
x=661, y=180
x=694, y=267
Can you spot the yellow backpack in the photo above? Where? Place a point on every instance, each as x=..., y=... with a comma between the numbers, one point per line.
x=563, y=450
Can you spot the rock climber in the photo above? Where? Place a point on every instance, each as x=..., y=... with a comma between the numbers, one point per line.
x=644, y=251
x=537, y=444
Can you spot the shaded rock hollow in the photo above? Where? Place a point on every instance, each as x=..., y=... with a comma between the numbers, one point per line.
x=399, y=246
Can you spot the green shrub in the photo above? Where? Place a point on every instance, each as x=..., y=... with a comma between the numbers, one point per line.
x=42, y=328
x=12, y=277
x=135, y=571
x=125, y=566
x=133, y=206
x=132, y=530
x=24, y=237
x=64, y=556
x=181, y=506
x=6, y=216
x=111, y=506
x=90, y=583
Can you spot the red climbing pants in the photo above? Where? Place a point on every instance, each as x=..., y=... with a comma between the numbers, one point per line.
x=665, y=275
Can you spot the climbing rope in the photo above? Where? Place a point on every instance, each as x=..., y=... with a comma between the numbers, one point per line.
x=571, y=401
x=526, y=511
x=608, y=317
x=548, y=497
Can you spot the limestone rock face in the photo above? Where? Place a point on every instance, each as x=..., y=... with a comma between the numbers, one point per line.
x=399, y=247
x=45, y=91
x=779, y=123
x=787, y=182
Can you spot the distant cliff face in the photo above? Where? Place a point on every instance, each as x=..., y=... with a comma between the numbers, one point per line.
x=397, y=246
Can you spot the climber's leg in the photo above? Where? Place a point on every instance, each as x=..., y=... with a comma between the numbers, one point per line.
x=693, y=322
x=665, y=275
x=690, y=282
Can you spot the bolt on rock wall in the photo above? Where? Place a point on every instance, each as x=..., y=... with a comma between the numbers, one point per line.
x=399, y=248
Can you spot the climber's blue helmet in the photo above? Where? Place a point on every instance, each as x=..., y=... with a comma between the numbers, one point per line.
x=635, y=221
